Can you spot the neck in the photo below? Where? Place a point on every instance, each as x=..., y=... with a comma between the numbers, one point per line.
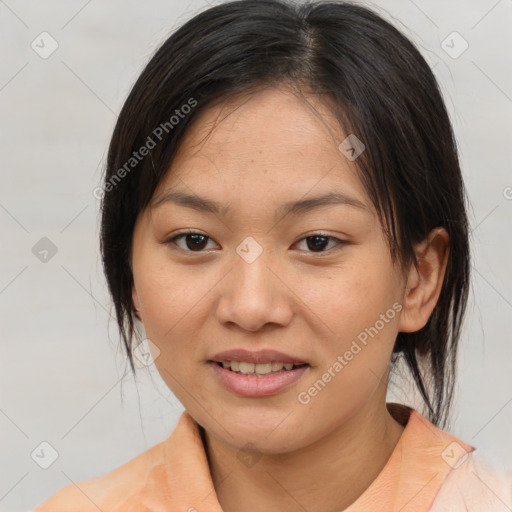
x=326, y=476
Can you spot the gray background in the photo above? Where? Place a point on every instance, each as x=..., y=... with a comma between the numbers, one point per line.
x=61, y=363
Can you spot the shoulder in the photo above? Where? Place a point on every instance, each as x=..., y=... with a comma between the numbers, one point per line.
x=475, y=486
x=112, y=491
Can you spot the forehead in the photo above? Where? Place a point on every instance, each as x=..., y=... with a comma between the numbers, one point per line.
x=271, y=142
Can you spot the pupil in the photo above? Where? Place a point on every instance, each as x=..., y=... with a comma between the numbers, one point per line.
x=199, y=241
x=317, y=242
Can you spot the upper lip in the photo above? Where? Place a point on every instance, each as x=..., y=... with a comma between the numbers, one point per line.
x=259, y=356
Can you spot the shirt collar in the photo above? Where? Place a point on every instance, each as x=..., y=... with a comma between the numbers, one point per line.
x=417, y=468
x=409, y=482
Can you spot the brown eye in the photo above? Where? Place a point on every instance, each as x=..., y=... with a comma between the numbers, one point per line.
x=318, y=243
x=193, y=242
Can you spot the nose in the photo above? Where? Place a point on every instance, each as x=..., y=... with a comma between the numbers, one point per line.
x=253, y=294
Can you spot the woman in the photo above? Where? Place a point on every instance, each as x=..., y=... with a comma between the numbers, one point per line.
x=283, y=211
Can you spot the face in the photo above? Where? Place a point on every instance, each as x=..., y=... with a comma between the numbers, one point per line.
x=314, y=281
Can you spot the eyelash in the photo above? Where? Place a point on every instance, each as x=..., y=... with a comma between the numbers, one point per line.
x=173, y=241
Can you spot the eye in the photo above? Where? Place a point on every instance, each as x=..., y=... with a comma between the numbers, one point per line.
x=193, y=241
x=318, y=242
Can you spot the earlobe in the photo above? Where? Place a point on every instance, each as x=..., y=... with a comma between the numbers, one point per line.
x=425, y=280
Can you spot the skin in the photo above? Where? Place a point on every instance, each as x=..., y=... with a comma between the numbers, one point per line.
x=253, y=154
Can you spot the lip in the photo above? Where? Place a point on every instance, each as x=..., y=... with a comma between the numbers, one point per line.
x=259, y=356
x=253, y=386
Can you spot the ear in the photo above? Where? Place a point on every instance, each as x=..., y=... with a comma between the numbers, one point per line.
x=135, y=300
x=425, y=280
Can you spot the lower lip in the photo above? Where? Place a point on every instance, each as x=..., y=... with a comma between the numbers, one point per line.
x=252, y=386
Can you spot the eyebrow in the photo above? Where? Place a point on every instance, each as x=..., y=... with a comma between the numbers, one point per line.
x=203, y=204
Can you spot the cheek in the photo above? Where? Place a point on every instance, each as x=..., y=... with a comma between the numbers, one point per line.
x=358, y=304
x=169, y=295
x=167, y=305
x=350, y=298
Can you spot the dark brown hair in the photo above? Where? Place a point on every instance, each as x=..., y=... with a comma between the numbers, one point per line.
x=384, y=92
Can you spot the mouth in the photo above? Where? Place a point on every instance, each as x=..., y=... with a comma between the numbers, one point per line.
x=257, y=380
x=258, y=369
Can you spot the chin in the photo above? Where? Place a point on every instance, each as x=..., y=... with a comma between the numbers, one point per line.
x=272, y=435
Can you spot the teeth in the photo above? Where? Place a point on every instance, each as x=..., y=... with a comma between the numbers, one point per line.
x=263, y=368
x=246, y=368
x=257, y=369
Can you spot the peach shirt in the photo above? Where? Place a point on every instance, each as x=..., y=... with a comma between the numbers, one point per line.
x=429, y=469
